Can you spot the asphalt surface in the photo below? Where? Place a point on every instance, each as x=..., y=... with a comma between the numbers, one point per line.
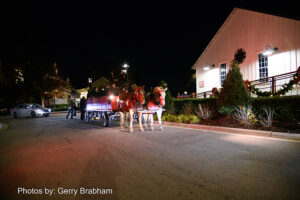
x=42, y=154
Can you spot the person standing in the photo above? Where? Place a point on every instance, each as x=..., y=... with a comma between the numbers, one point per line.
x=82, y=107
x=74, y=108
x=71, y=109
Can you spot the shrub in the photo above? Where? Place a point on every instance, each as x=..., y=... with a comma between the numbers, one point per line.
x=179, y=118
x=286, y=108
x=59, y=107
x=245, y=115
x=188, y=108
x=172, y=118
x=180, y=103
x=227, y=110
x=267, y=120
x=169, y=101
x=204, y=112
x=234, y=92
x=193, y=119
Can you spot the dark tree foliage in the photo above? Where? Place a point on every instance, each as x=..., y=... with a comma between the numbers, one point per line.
x=234, y=92
x=169, y=101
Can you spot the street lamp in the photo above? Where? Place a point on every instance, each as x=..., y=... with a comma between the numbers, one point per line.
x=125, y=66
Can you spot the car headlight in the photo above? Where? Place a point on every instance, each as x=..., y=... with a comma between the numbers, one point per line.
x=49, y=109
x=40, y=111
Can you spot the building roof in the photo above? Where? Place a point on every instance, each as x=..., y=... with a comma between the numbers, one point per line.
x=83, y=89
x=101, y=82
x=226, y=21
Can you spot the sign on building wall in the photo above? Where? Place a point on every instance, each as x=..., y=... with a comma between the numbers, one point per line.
x=201, y=84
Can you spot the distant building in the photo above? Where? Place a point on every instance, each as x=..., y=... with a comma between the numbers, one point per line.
x=83, y=92
x=254, y=32
x=101, y=83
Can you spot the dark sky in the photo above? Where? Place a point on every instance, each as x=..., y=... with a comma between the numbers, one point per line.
x=158, y=41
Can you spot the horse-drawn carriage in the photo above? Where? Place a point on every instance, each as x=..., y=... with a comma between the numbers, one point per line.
x=130, y=103
x=102, y=107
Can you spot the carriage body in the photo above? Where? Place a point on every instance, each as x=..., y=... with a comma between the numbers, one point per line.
x=96, y=107
x=103, y=103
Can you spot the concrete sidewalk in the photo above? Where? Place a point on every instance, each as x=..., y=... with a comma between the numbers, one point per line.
x=235, y=130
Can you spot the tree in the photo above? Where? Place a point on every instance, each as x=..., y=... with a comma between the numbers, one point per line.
x=169, y=101
x=53, y=85
x=190, y=81
x=234, y=92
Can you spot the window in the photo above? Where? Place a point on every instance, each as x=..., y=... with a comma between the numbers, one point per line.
x=263, y=66
x=223, y=72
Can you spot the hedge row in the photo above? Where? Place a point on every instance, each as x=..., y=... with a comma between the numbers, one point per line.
x=59, y=107
x=179, y=103
x=286, y=107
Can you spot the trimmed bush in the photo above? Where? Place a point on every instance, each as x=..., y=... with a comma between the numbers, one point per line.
x=59, y=107
x=286, y=108
x=190, y=119
x=179, y=104
x=234, y=92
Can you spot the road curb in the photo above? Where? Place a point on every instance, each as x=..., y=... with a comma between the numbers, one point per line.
x=235, y=130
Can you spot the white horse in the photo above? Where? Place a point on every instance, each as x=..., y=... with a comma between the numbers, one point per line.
x=155, y=105
x=123, y=124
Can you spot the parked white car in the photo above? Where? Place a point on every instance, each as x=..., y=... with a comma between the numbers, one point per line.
x=30, y=110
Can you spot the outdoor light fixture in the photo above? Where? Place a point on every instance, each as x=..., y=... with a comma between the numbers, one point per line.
x=208, y=67
x=269, y=50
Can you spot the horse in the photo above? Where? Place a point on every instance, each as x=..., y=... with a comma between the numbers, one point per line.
x=155, y=105
x=129, y=103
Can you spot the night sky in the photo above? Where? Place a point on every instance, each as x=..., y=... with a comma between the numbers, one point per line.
x=158, y=41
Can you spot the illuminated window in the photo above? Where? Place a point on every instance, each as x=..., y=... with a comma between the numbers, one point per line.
x=263, y=66
x=223, y=72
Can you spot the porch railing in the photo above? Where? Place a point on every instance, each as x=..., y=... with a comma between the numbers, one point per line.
x=272, y=83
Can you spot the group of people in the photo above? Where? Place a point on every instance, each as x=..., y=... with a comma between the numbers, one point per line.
x=72, y=108
x=95, y=92
x=185, y=95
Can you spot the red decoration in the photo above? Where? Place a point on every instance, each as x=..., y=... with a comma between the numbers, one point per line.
x=246, y=82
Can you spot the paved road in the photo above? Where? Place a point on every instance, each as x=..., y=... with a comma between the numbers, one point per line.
x=55, y=153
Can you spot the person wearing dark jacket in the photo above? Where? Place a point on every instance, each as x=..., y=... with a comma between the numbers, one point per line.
x=71, y=109
x=82, y=107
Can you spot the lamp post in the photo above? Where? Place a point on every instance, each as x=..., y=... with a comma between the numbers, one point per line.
x=125, y=66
